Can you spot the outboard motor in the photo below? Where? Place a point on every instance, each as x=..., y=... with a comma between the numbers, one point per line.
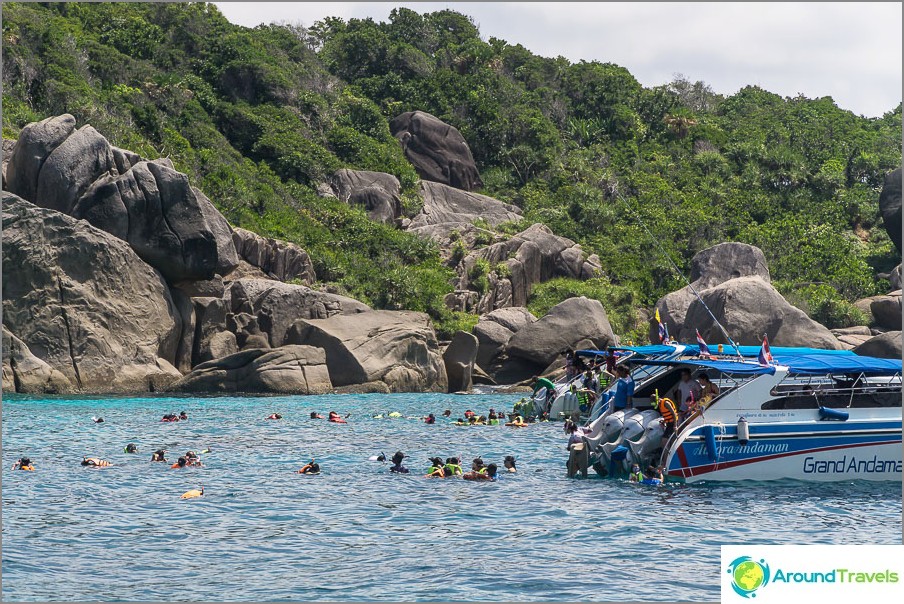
x=643, y=448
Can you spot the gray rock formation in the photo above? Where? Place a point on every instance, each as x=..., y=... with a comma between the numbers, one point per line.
x=491, y=340
x=890, y=206
x=23, y=372
x=279, y=260
x=437, y=150
x=885, y=345
x=567, y=323
x=455, y=209
x=277, y=306
x=8, y=146
x=851, y=337
x=459, y=359
x=532, y=256
x=749, y=307
x=886, y=310
x=286, y=370
x=35, y=144
x=84, y=303
x=512, y=318
x=379, y=193
x=709, y=268
x=395, y=347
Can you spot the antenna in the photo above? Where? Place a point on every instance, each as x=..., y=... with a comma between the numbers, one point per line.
x=678, y=272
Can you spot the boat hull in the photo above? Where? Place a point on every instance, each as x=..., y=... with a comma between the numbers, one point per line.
x=821, y=452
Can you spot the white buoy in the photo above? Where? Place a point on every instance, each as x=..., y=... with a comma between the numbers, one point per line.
x=743, y=432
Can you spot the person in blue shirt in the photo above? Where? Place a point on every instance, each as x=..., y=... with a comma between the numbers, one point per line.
x=624, y=390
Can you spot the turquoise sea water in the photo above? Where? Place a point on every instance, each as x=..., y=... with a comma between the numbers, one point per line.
x=357, y=532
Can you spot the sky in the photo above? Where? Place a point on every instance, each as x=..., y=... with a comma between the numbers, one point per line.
x=849, y=51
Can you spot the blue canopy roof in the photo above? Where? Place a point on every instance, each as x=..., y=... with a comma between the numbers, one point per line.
x=806, y=364
x=731, y=367
x=746, y=351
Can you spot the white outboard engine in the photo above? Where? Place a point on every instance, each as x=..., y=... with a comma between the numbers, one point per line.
x=642, y=448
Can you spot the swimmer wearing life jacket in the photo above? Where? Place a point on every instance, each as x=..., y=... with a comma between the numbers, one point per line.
x=131, y=448
x=310, y=468
x=180, y=463
x=335, y=418
x=460, y=422
x=469, y=414
x=397, y=466
x=192, y=459
x=489, y=473
x=170, y=417
x=159, y=455
x=436, y=469
x=517, y=422
x=95, y=462
x=274, y=416
x=636, y=475
x=24, y=463
x=652, y=476
x=430, y=419
x=394, y=414
x=509, y=464
x=452, y=467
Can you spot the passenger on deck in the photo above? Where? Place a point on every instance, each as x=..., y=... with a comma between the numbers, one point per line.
x=708, y=389
x=669, y=412
x=623, y=398
x=610, y=362
x=397, y=466
x=585, y=396
x=436, y=468
x=570, y=370
x=687, y=393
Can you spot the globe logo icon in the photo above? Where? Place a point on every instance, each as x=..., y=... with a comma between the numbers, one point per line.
x=748, y=575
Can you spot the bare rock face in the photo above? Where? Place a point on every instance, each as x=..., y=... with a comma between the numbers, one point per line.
x=566, y=324
x=279, y=260
x=491, y=340
x=890, y=206
x=379, y=193
x=437, y=150
x=277, y=306
x=285, y=370
x=84, y=303
x=171, y=225
x=512, y=318
x=532, y=256
x=885, y=345
x=8, y=146
x=886, y=310
x=25, y=373
x=749, y=307
x=709, y=268
x=454, y=209
x=459, y=359
x=395, y=347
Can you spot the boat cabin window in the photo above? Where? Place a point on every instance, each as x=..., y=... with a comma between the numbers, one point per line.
x=858, y=398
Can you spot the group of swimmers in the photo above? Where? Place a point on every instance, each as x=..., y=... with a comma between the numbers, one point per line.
x=172, y=417
x=452, y=467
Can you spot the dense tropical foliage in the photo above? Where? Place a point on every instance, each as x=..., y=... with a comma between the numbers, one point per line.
x=259, y=117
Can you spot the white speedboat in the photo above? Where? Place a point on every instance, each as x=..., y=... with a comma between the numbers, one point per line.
x=811, y=416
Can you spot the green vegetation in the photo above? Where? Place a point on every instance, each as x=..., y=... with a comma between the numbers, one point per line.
x=259, y=117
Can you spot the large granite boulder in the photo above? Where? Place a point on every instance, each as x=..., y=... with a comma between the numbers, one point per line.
x=890, y=206
x=885, y=345
x=491, y=340
x=512, y=318
x=8, y=146
x=567, y=323
x=169, y=226
x=278, y=306
x=437, y=150
x=532, y=256
x=84, y=303
x=455, y=209
x=380, y=194
x=886, y=310
x=459, y=359
x=25, y=373
x=279, y=260
x=851, y=337
x=172, y=226
x=709, y=268
x=285, y=370
x=395, y=347
x=749, y=307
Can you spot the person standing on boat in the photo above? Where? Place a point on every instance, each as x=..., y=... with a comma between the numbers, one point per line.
x=550, y=389
x=624, y=390
x=668, y=411
x=687, y=392
x=708, y=390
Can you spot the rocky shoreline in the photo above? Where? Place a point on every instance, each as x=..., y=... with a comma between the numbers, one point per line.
x=119, y=276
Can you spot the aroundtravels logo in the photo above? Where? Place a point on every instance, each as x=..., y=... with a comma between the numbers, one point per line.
x=748, y=575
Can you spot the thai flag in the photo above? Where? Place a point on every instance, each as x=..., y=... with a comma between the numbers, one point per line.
x=704, y=349
x=765, y=356
x=663, y=332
